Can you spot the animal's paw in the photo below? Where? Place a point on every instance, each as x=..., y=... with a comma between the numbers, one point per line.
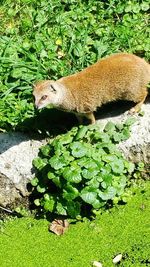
x=132, y=111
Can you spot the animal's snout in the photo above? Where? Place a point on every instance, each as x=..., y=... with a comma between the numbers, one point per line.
x=36, y=104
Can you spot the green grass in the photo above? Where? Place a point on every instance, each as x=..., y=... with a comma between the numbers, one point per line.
x=52, y=38
x=125, y=229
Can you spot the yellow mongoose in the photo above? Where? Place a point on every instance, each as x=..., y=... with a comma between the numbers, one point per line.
x=120, y=76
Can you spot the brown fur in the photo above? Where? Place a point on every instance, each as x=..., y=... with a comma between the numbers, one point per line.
x=118, y=77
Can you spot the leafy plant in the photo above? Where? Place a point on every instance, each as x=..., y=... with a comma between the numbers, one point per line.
x=82, y=169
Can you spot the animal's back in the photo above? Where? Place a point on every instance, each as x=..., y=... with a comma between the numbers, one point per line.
x=119, y=76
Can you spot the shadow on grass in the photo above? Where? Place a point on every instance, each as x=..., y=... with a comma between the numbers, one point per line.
x=52, y=121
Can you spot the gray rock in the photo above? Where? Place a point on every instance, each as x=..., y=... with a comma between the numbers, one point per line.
x=17, y=150
x=137, y=147
x=16, y=154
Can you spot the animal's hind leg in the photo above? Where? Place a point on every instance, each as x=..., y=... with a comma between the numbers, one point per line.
x=140, y=101
x=90, y=117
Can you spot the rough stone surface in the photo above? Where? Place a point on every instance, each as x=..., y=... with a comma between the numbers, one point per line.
x=16, y=154
x=17, y=151
x=137, y=147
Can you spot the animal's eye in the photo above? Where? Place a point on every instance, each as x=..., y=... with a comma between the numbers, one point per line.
x=43, y=97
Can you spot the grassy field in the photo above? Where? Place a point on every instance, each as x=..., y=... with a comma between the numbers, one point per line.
x=26, y=242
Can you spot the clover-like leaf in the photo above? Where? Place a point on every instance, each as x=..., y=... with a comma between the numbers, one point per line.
x=45, y=150
x=81, y=132
x=37, y=202
x=109, y=193
x=40, y=163
x=57, y=162
x=51, y=175
x=83, y=161
x=122, y=181
x=117, y=166
x=109, y=127
x=34, y=181
x=130, y=166
x=117, y=137
x=66, y=139
x=93, y=182
x=88, y=195
x=49, y=204
x=107, y=178
x=78, y=149
x=61, y=208
x=130, y=121
x=109, y=158
x=67, y=157
x=17, y=73
x=70, y=192
x=72, y=174
x=98, y=203
x=90, y=172
x=91, y=164
x=41, y=189
x=125, y=134
x=101, y=136
x=106, y=169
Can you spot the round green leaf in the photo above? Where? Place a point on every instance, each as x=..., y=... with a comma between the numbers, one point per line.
x=98, y=203
x=49, y=204
x=130, y=166
x=66, y=138
x=34, y=181
x=61, y=208
x=109, y=158
x=117, y=166
x=90, y=173
x=39, y=163
x=45, y=150
x=81, y=133
x=110, y=126
x=37, y=202
x=57, y=162
x=88, y=195
x=51, y=175
x=78, y=149
x=72, y=174
x=94, y=182
x=70, y=192
x=109, y=193
x=46, y=197
x=40, y=189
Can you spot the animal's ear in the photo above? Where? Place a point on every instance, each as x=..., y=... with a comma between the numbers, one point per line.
x=52, y=88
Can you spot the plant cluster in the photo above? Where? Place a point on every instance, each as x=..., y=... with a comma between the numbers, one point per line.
x=82, y=170
x=53, y=38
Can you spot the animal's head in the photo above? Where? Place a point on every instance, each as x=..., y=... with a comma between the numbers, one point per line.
x=45, y=93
